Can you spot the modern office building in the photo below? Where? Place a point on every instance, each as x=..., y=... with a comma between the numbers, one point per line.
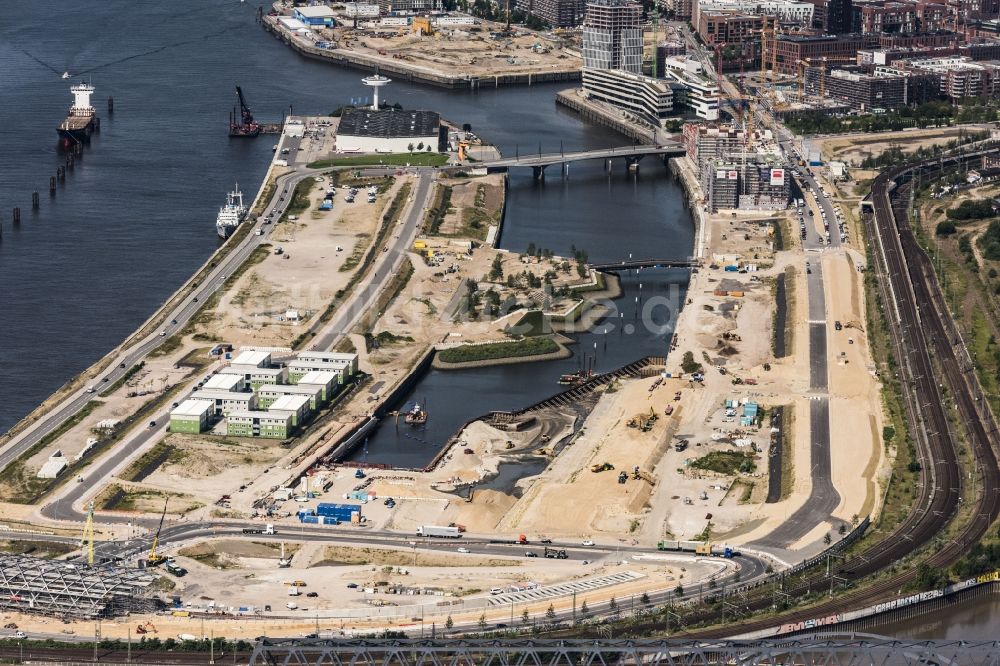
x=269, y=425
x=557, y=13
x=787, y=11
x=692, y=89
x=269, y=393
x=315, y=15
x=648, y=98
x=296, y=406
x=958, y=76
x=224, y=402
x=612, y=36
x=192, y=416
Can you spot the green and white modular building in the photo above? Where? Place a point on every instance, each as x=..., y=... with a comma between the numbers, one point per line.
x=267, y=394
x=295, y=405
x=270, y=425
x=344, y=366
x=192, y=416
x=347, y=361
x=225, y=383
x=224, y=402
x=257, y=359
x=256, y=376
x=326, y=382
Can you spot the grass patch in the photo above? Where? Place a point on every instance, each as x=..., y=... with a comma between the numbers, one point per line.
x=169, y=346
x=439, y=209
x=300, y=199
x=18, y=484
x=124, y=378
x=42, y=549
x=359, y=251
x=392, y=159
x=531, y=323
x=787, y=453
x=726, y=462
x=513, y=349
x=117, y=498
x=146, y=464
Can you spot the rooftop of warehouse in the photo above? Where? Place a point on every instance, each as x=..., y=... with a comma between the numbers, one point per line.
x=388, y=123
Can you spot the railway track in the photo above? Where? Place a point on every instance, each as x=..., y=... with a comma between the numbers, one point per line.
x=11, y=653
x=928, y=350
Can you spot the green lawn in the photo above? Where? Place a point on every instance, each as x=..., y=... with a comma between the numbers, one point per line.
x=513, y=349
x=393, y=159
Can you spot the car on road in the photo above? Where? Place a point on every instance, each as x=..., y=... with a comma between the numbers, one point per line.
x=122, y=365
x=152, y=424
x=91, y=389
x=463, y=549
x=20, y=634
x=530, y=554
x=312, y=594
x=173, y=321
x=352, y=586
x=163, y=334
x=545, y=541
x=588, y=542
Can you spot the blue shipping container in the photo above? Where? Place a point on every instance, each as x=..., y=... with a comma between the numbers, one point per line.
x=330, y=520
x=312, y=520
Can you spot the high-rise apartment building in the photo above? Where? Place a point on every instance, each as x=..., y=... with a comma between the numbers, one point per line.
x=612, y=36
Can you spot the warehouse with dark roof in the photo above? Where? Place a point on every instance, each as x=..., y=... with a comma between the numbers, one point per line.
x=388, y=131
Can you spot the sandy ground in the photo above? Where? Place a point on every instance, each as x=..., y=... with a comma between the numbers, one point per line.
x=466, y=49
x=853, y=148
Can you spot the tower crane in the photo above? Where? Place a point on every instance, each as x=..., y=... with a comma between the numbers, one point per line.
x=154, y=558
x=87, y=541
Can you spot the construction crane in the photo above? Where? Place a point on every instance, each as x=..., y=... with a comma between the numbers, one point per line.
x=88, y=535
x=822, y=80
x=242, y=125
x=154, y=558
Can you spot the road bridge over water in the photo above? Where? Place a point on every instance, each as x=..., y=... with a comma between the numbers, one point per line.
x=540, y=161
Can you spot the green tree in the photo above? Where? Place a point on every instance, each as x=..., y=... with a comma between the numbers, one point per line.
x=482, y=622
x=525, y=619
x=449, y=623
x=613, y=606
x=410, y=147
x=827, y=539
x=644, y=599
x=584, y=608
x=496, y=270
x=420, y=146
x=550, y=613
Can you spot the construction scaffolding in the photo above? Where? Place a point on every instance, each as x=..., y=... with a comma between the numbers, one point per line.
x=63, y=589
x=534, y=652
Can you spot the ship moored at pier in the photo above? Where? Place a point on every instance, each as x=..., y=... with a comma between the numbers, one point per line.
x=82, y=120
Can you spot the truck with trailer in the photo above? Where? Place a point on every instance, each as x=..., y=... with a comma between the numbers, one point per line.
x=699, y=548
x=438, y=531
x=260, y=530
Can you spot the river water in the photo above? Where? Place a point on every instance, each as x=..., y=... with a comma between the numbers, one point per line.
x=136, y=216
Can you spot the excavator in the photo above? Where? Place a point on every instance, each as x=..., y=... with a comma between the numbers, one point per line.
x=147, y=628
x=601, y=467
x=154, y=558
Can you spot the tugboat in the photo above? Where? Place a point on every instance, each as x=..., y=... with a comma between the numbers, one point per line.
x=231, y=214
x=416, y=416
x=578, y=377
x=82, y=121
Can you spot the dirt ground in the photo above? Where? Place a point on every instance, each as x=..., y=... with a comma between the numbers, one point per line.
x=466, y=49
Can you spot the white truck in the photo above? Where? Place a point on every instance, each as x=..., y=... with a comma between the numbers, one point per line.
x=438, y=531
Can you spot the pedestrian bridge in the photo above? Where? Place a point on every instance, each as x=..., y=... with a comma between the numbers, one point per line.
x=540, y=161
x=629, y=264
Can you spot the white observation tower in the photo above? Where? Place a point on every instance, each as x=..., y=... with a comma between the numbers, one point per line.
x=375, y=82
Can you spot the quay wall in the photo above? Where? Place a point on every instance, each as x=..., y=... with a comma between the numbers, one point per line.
x=605, y=118
x=404, y=71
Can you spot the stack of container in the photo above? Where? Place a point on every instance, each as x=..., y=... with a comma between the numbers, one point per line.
x=334, y=514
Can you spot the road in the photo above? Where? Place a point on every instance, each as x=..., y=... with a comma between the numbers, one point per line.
x=176, y=319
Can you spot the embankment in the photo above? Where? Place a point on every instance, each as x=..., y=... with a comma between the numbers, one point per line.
x=401, y=70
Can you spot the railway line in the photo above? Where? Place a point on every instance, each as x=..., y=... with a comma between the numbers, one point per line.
x=930, y=355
